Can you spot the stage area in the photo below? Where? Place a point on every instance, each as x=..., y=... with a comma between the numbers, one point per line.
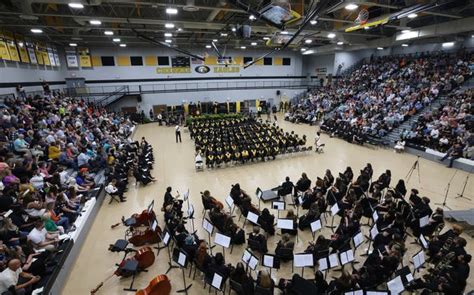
x=174, y=166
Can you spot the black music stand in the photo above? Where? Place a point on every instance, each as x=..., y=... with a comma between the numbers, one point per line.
x=224, y=241
x=315, y=226
x=165, y=238
x=131, y=266
x=182, y=260
x=461, y=195
x=271, y=261
x=209, y=227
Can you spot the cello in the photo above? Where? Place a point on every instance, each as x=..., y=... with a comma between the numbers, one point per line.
x=160, y=285
x=151, y=235
x=139, y=219
x=145, y=258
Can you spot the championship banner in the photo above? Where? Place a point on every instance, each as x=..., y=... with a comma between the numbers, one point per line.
x=71, y=58
x=22, y=48
x=39, y=55
x=56, y=57
x=226, y=69
x=46, y=60
x=4, y=54
x=171, y=70
x=30, y=47
x=84, y=57
x=52, y=60
x=14, y=56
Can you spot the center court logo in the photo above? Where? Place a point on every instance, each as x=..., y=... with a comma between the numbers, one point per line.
x=202, y=69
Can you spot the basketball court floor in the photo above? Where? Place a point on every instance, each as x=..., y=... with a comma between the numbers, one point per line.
x=174, y=166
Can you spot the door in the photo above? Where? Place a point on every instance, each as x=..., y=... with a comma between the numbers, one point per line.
x=76, y=86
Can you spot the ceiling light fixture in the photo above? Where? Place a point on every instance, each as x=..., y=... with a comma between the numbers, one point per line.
x=76, y=5
x=123, y=45
x=116, y=39
x=266, y=38
x=253, y=43
x=448, y=44
x=36, y=31
x=109, y=33
x=308, y=52
x=252, y=17
x=340, y=43
x=73, y=44
x=208, y=46
x=168, y=41
x=331, y=35
x=243, y=47
x=171, y=10
x=379, y=48
x=223, y=34
x=308, y=41
x=412, y=15
x=404, y=45
x=95, y=22
x=168, y=35
x=169, y=25
x=351, y=6
x=313, y=22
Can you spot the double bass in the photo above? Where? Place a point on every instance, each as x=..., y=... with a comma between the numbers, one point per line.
x=160, y=285
x=145, y=258
x=139, y=219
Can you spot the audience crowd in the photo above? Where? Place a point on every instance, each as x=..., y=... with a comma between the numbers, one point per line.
x=53, y=149
x=395, y=213
x=443, y=128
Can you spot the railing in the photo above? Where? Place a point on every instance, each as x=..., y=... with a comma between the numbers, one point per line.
x=114, y=96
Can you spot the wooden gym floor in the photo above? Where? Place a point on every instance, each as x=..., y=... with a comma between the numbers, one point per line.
x=174, y=166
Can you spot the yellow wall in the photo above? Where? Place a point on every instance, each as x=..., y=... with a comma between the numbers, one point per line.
x=151, y=61
x=123, y=61
x=277, y=61
x=96, y=61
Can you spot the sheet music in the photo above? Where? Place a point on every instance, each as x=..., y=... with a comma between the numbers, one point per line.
x=182, y=259
x=259, y=194
x=222, y=240
x=285, y=223
x=358, y=239
x=347, y=256
x=303, y=260
x=253, y=262
x=333, y=261
x=395, y=286
x=419, y=259
x=334, y=209
x=409, y=277
x=190, y=210
x=37, y=291
x=229, y=201
x=300, y=200
x=268, y=260
x=278, y=205
x=154, y=225
x=186, y=196
x=359, y=292
x=246, y=256
x=374, y=231
x=166, y=238
x=252, y=217
x=323, y=264
x=375, y=216
x=424, y=221
x=424, y=242
x=207, y=225
x=315, y=225
x=216, y=281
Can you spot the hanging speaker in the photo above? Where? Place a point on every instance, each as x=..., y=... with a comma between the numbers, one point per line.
x=278, y=92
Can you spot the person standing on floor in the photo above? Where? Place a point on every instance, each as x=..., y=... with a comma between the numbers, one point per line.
x=178, y=133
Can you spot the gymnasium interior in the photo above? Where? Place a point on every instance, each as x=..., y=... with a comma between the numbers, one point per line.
x=255, y=147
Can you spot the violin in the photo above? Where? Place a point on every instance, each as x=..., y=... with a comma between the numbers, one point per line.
x=148, y=236
x=145, y=258
x=160, y=285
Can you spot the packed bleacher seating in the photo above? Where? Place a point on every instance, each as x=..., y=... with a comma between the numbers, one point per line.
x=54, y=154
x=398, y=216
x=442, y=128
x=381, y=94
x=390, y=90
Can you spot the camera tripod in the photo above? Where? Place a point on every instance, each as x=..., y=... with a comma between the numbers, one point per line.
x=415, y=166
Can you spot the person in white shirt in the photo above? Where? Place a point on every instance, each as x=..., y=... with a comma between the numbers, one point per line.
x=178, y=133
x=112, y=190
x=13, y=277
x=37, y=180
x=41, y=239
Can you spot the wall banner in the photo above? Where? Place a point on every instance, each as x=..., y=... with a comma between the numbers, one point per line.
x=171, y=70
x=226, y=69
